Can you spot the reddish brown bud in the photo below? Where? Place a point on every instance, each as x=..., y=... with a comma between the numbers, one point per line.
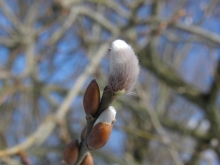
x=71, y=152
x=91, y=98
x=88, y=160
x=99, y=135
x=83, y=133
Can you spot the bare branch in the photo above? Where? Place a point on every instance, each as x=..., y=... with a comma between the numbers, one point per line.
x=45, y=129
x=10, y=15
x=165, y=138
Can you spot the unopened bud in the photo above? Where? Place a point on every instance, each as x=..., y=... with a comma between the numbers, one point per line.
x=71, y=152
x=91, y=98
x=99, y=135
x=101, y=130
x=124, y=68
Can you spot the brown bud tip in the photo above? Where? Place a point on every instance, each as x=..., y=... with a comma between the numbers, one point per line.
x=71, y=152
x=88, y=160
x=83, y=133
x=99, y=135
x=91, y=98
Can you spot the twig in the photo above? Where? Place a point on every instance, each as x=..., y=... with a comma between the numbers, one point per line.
x=10, y=161
x=45, y=129
x=198, y=31
x=114, y=6
x=80, y=10
x=10, y=15
x=106, y=100
x=159, y=128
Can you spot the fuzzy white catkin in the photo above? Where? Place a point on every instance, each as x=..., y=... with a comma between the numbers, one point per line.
x=107, y=116
x=124, y=67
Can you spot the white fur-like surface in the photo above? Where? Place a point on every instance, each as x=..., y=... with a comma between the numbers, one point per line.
x=124, y=67
x=119, y=44
x=107, y=116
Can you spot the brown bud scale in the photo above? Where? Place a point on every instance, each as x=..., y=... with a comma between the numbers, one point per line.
x=71, y=152
x=91, y=98
x=99, y=135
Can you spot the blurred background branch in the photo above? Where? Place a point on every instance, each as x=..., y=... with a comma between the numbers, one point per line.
x=50, y=51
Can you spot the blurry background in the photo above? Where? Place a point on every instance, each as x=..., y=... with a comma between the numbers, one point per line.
x=51, y=50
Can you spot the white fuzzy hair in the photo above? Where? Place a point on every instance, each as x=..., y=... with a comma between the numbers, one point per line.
x=107, y=116
x=124, y=67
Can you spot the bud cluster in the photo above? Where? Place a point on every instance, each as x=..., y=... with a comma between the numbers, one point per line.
x=124, y=70
x=100, y=132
